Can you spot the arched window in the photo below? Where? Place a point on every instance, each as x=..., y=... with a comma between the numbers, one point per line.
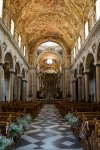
x=12, y=27
x=79, y=42
x=74, y=51
x=86, y=29
x=24, y=50
x=19, y=41
x=1, y=8
x=97, y=9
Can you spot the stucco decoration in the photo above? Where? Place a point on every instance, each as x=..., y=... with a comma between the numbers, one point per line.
x=37, y=19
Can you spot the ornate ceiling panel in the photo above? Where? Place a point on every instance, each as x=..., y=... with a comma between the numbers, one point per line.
x=49, y=68
x=38, y=19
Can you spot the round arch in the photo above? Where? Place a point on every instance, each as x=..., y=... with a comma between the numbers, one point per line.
x=23, y=73
x=47, y=52
x=52, y=39
x=89, y=60
x=81, y=68
x=9, y=59
x=17, y=67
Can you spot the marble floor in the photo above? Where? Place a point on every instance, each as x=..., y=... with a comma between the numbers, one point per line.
x=49, y=131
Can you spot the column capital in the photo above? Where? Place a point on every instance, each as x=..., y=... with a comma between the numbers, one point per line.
x=1, y=62
x=19, y=76
x=74, y=80
x=97, y=63
x=11, y=70
x=86, y=71
x=23, y=79
x=79, y=76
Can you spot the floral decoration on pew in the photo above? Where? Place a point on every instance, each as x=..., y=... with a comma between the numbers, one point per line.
x=25, y=121
x=73, y=120
x=5, y=143
x=16, y=130
x=28, y=118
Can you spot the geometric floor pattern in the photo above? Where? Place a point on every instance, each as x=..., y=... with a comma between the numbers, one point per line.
x=48, y=131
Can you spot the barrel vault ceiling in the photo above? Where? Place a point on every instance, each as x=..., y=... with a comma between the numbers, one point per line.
x=58, y=20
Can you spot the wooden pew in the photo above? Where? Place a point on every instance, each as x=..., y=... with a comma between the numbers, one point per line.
x=90, y=139
x=32, y=107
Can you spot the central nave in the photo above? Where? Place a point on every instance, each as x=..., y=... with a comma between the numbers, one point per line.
x=48, y=131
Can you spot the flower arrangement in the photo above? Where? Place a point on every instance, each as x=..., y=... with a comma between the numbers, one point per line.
x=15, y=130
x=28, y=118
x=68, y=116
x=25, y=120
x=5, y=143
x=73, y=120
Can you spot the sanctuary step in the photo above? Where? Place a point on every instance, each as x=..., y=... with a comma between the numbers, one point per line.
x=48, y=131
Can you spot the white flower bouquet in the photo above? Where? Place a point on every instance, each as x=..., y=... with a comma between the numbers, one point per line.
x=28, y=118
x=68, y=116
x=5, y=142
x=23, y=121
x=15, y=130
x=73, y=122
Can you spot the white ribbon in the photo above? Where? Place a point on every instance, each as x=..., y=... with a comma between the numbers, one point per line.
x=7, y=128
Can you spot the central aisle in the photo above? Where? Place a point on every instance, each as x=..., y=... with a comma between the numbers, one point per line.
x=48, y=131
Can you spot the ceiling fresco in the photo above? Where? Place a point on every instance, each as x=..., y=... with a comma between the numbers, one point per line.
x=38, y=20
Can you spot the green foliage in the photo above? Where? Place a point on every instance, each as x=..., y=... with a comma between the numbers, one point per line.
x=4, y=142
x=68, y=116
x=73, y=120
x=15, y=130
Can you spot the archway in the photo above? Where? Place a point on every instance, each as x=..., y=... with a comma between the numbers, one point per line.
x=75, y=85
x=17, y=72
x=92, y=76
x=82, y=82
x=49, y=70
x=8, y=64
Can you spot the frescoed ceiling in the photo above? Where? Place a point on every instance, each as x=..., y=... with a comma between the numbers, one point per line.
x=40, y=20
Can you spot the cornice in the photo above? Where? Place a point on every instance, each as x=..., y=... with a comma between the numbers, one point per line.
x=10, y=37
x=87, y=43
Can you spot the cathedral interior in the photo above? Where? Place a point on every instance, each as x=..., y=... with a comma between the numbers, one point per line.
x=50, y=50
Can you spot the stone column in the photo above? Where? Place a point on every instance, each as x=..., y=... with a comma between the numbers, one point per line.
x=98, y=83
x=11, y=84
x=23, y=89
x=1, y=94
x=74, y=89
x=79, y=88
x=26, y=97
x=87, y=86
x=18, y=86
x=63, y=85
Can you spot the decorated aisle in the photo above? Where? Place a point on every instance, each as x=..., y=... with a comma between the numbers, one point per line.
x=48, y=131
